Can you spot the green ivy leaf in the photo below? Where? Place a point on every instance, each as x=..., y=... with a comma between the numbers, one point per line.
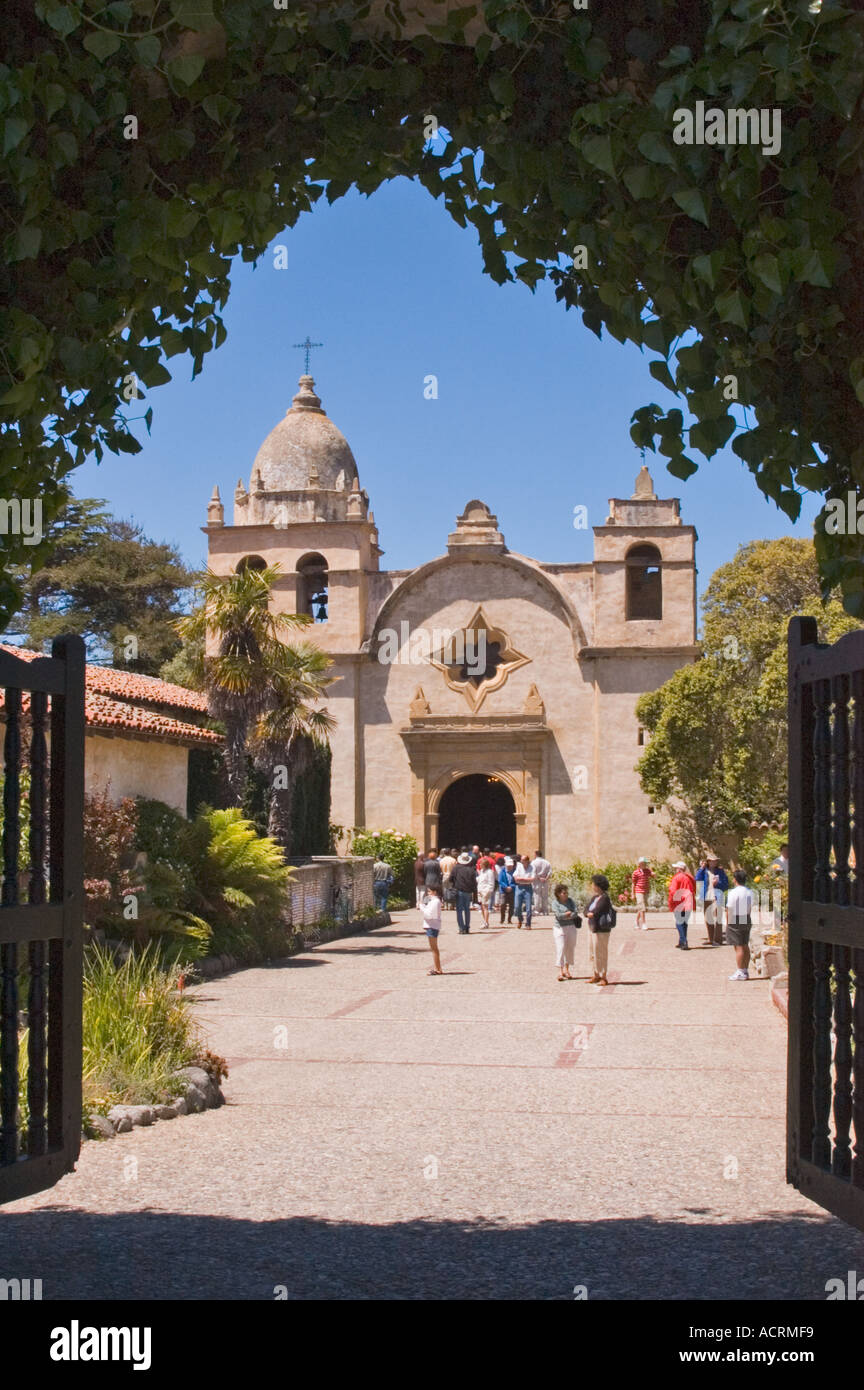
x=767, y=268
x=157, y=375
x=812, y=269
x=147, y=50
x=53, y=98
x=28, y=239
x=660, y=372
x=691, y=201
x=676, y=57
x=639, y=180
x=102, y=45
x=14, y=130
x=64, y=20
x=707, y=267
x=656, y=147
x=186, y=69
x=597, y=149
x=194, y=14
x=732, y=308
x=682, y=467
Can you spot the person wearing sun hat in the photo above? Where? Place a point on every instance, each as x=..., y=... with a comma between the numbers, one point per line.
x=641, y=880
x=682, y=895
x=465, y=882
x=715, y=882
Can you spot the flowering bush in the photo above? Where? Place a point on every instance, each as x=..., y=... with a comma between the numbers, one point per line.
x=397, y=850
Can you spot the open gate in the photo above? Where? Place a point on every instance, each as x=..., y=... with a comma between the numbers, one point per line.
x=825, y=1101
x=41, y=917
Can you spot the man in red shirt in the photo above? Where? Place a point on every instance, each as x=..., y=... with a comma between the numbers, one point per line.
x=682, y=895
x=641, y=877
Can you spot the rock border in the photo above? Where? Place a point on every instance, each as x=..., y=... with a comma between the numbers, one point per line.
x=200, y=1093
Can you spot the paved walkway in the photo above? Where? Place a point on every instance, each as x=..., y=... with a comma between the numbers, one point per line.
x=489, y=1134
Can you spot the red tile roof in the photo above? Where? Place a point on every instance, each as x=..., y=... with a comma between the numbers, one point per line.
x=143, y=690
x=126, y=715
x=104, y=713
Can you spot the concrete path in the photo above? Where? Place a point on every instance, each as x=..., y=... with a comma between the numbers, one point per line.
x=489, y=1134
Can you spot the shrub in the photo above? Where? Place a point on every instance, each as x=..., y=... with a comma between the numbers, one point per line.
x=138, y=1030
x=757, y=856
x=209, y=884
x=109, y=856
x=239, y=880
x=158, y=829
x=619, y=874
x=399, y=851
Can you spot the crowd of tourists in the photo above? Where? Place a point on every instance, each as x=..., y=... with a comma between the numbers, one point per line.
x=517, y=886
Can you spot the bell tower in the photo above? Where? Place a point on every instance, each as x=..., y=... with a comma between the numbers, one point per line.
x=304, y=510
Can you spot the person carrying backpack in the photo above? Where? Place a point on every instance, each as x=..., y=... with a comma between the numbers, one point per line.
x=601, y=919
x=505, y=891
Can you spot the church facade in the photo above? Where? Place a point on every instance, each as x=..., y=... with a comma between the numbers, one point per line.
x=484, y=695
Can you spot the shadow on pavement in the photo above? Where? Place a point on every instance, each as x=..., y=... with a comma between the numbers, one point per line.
x=159, y=1255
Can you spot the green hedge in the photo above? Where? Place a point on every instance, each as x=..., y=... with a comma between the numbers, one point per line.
x=619, y=874
x=399, y=851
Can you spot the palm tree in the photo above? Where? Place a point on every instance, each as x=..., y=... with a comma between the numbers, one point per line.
x=251, y=673
x=287, y=732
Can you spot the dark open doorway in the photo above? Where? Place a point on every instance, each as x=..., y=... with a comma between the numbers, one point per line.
x=477, y=809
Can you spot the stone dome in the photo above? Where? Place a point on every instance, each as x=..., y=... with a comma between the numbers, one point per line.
x=305, y=451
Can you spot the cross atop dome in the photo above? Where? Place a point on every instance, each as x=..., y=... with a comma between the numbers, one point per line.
x=307, y=348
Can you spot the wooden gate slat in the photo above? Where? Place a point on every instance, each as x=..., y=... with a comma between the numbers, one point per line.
x=825, y=1104
x=49, y=924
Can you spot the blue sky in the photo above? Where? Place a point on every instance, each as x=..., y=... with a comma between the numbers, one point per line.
x=532, y=414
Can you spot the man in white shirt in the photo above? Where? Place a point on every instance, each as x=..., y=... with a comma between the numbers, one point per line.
x=542, y=873
x=523, y=874
x=739, y=907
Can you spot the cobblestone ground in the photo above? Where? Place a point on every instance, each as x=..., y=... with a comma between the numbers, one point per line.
x=487, y=1134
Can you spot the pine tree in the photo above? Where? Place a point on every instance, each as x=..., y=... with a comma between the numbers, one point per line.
x=102, y=578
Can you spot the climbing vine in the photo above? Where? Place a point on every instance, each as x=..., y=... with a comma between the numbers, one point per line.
x=144, y=144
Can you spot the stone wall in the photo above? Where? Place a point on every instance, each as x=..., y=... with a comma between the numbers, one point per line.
x=327, y=886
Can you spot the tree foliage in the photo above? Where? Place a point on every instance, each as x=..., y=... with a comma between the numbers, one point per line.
x=722, y=261
x=265, y=689
x=103, y=578
x=716, y=759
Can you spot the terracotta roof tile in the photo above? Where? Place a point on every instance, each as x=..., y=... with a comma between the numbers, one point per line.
x=145, y=690
x=101, y=712
x=129, y=713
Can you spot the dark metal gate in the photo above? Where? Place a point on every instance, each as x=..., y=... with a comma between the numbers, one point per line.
x=41, y=917
x=825, y=1104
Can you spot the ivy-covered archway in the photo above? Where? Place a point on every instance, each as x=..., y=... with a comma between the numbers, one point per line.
x=145, y=143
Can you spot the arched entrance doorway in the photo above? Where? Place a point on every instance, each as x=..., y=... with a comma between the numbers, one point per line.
x=477, y=809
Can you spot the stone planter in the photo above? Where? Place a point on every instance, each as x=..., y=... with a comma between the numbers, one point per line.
x=774, y=963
